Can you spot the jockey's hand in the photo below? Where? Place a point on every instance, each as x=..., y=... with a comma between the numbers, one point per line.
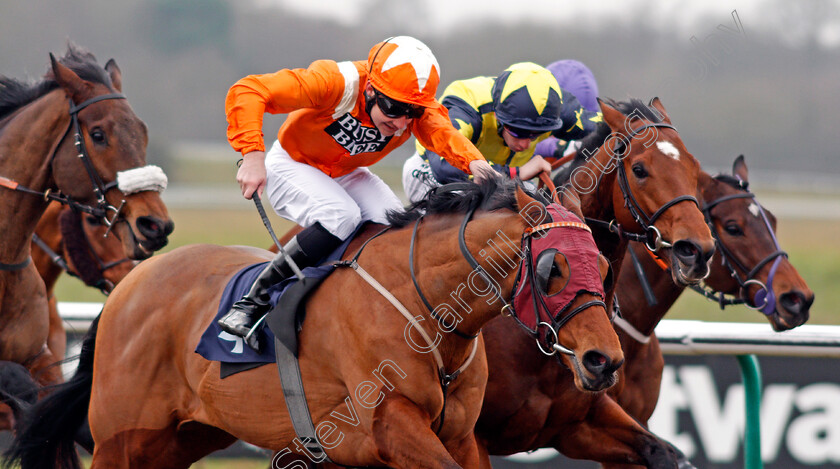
x=482, y=171
x=534, y=167
x=251, y=174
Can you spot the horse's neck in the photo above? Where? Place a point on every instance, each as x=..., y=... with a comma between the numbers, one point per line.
x=468, y=298
x=26, y=145
x=597, y=203
x=641, y=315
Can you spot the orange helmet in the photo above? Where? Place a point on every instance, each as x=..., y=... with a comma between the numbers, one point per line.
x=404, y=69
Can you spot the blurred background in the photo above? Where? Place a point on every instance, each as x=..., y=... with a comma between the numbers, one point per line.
x=758, y=78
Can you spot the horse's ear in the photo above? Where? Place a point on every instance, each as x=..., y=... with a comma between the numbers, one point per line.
x=612, y=116
x=116, y=76
x=75, y=87
x=739, y=169
x=657, y=104
x=571, y=201
x=530, y=209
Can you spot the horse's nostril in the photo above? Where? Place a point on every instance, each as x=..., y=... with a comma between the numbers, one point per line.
x=795, y=302
x=596, y=362
x=686, y=251
x=151, y=228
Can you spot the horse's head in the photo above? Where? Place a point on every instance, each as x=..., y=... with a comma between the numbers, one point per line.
x=558, y=295
x=101, y=161
x=656, y=187
x=98, y=260
x=752, y=264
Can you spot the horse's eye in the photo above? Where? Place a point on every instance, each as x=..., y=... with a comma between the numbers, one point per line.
x=733, y=229
x=639, y=171
x=98, y=136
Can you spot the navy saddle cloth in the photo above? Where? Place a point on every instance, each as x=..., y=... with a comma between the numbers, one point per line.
x=218, y=345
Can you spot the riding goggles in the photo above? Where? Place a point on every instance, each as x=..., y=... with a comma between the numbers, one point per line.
x=396, y=109
x=516, y=132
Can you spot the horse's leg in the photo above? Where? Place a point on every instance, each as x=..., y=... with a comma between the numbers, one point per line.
x=173, y=447
x=483, y=457
x=57, y=338
x=610, y=435
x=45, y=368
x=403, y=435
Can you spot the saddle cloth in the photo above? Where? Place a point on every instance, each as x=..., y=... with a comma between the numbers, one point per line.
x=231, y=350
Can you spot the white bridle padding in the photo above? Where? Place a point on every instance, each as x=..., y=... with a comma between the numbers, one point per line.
x=147, y=178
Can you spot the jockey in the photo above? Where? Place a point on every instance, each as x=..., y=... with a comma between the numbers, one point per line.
x=342, y=117
x=575, y=78
x=505, y=117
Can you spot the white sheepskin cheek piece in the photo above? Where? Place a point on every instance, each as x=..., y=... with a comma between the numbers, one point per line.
x=147, y=178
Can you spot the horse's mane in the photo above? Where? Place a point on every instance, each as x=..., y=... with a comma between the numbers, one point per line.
x=591, y=143
x=489, y=195
x=15, y=93
x=732, y=181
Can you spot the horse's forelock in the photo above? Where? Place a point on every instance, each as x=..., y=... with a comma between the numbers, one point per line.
x=15, y=94
x=83, y=63
x=591, y=143
x=731, y=181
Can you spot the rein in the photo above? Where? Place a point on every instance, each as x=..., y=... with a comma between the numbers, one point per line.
x=444, y=378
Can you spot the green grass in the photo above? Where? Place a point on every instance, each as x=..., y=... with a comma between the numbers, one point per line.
x=811, y=245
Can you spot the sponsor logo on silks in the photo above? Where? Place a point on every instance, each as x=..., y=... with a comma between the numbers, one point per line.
x=355, y=137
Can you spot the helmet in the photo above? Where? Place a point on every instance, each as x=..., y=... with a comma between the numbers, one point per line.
x=404, y=69
x=527, y=96
x=576, y=78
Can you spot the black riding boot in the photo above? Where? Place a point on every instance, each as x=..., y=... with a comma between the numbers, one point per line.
x=307, y=247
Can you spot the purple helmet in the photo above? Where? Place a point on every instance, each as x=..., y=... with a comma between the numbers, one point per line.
x=576, y=78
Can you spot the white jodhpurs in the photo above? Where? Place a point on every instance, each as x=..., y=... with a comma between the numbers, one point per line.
x=417, y=178
x=305, y=195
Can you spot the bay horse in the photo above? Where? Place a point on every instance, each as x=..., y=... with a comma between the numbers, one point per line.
x=373, y=398
x=750, y=269
x=71, y=137
x=64, y=241
x=634, y=178
x=67, y=240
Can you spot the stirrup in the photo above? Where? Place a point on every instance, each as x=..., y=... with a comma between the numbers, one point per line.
x=253, y=338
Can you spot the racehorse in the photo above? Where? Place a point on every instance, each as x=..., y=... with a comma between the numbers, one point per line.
x=71, y=137
x=375, y=400
x=750, y=269
x=634, y=177
x=66, y=240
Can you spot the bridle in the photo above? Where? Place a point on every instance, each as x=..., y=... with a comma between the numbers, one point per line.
x=650, y=236
x=81, y=255
x=102, y=209
x=765, y=298
x=444, y=377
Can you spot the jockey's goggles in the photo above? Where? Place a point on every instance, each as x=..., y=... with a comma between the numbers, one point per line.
x=396, y=109
x=516, y=132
